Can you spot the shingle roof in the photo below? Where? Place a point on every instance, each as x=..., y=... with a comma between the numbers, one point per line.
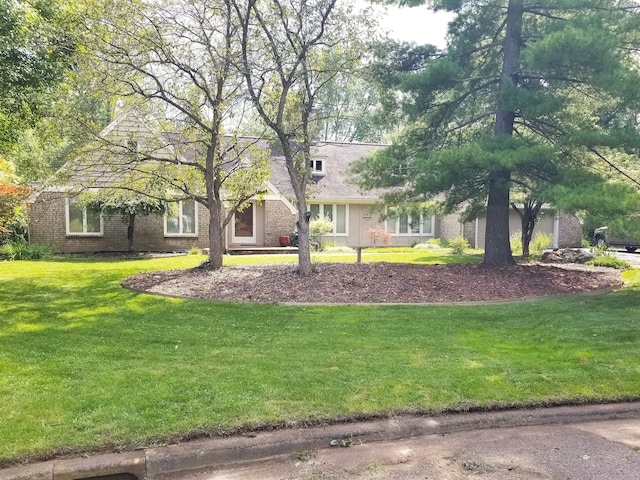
x=335, y=184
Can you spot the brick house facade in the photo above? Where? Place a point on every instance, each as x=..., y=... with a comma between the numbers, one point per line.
x=357, y=215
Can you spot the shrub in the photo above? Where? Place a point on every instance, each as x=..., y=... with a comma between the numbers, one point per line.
x=195, y=251
x=516, y=242
x=458, y=245
x=610, y=261
x=319, y=227
x=25, y=251
x=379, y=236
x=540, y=243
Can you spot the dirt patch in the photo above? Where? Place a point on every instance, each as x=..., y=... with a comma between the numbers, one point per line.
x=376, y=283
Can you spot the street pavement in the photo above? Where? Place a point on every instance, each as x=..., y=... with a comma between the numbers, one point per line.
x=582, y=442
x=632, y=258
x=600, y=450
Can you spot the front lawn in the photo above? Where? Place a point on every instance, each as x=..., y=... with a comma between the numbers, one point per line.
x=85, y=364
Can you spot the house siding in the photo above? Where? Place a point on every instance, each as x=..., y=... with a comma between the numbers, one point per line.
x=569, y=235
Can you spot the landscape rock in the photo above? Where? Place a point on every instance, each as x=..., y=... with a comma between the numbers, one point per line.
x=567, y=255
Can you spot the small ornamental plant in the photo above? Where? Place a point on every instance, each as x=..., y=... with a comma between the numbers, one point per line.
x=317, y=228
x=379, y=236
x=458, y=245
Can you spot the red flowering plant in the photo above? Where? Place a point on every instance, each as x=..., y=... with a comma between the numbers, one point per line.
x=12, y=195
x=380, y=236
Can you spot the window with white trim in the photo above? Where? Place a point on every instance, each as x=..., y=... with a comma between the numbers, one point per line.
x=181, y=219
x=317, y=166
x=337, y=213
x=82, y=221
x=406, y=224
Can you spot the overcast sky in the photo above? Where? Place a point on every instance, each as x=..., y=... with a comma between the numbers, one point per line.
x=417, y=24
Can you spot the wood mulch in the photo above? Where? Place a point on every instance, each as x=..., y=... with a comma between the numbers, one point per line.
x=382, y=282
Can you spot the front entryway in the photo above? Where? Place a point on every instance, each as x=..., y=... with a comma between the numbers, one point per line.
x=244, y=226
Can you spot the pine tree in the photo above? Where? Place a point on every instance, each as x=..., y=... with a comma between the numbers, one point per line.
x=525, y=92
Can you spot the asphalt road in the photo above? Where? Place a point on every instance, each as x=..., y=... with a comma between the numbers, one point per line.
x=632, y=258
x=602, y=450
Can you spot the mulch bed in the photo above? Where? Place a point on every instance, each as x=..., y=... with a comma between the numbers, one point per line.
x=376, y=283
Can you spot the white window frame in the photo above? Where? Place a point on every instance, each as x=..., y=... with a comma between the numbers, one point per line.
x=84, y=233
x=180, y=214
x=314, y=166
x=334, y=216
x=393, y=225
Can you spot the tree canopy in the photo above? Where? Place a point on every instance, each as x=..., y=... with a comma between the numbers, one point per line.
x=292, y=51
x=527, y=95
x=173, y=64
x=36, y=47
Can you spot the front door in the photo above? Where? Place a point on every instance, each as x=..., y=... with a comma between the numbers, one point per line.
x=244, y=226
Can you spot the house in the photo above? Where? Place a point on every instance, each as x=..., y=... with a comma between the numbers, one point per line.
x=56, y=218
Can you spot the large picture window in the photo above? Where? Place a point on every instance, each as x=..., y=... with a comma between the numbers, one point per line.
x=181, y=219
x=408, y=225
x=81, y=220
x=337, y=213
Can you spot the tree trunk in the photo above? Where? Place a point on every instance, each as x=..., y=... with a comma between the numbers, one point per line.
x=497, y=248
x=304, y=249
x=216, y=236
x=214, y=203
x=299, y=184
x=528, y=219
x=130, y=230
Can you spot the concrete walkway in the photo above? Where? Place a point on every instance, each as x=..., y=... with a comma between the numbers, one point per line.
x=599, y=442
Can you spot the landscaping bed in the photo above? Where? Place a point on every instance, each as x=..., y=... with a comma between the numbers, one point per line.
x=376, y=283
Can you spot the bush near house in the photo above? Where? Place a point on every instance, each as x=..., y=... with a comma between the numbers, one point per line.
x=458, y=245
x=20, y=250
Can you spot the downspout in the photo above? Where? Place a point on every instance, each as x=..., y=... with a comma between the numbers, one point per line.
x=556, y=230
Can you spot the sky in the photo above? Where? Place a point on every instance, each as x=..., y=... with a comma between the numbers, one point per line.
x=417, y=24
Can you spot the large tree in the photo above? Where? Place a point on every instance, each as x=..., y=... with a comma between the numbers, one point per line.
x=525, y=91
x=36, y=48
x=291, y=51
x=174, y=61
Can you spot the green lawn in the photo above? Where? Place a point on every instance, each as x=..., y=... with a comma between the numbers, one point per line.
x=85, y=364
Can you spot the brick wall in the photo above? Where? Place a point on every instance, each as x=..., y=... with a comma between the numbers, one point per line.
x=47, y=219
x=278, y=221
x=448, y=226
x=570, y=234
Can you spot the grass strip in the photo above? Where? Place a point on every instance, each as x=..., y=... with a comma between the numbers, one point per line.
x=85, y=364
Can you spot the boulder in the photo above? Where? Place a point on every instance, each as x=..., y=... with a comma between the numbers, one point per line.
x=567, y=255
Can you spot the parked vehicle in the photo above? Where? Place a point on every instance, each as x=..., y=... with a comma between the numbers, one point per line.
x=603, y=237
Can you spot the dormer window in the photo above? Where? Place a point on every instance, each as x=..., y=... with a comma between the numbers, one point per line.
x=317, y=166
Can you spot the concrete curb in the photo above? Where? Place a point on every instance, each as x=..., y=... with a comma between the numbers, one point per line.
x=191, y=457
